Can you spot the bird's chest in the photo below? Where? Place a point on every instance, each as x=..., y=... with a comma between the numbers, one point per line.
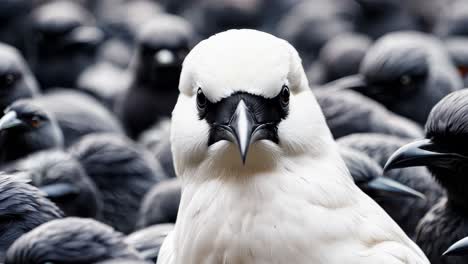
x=257, y=227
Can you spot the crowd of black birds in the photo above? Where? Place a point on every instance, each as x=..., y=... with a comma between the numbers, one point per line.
x=87, y=88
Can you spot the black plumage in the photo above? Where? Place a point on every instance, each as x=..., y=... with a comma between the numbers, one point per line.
x=157, y=141
x=161, y=204
x=14, y=22
x=62, y=43
x=148, y=241
x=348, y=112
x=407, y=212
x=339, y=57
x=78, y=114
x=408, y=72
x=122, y=19
x=452, y=21
x=379, y=17
x=213, y=16
x=16, y=79
x=123, y=174
x=23, y=207
x=64, y=181
x=310, y=24
x=163, y=44
x=444, y=152
x=104, y=81
x=26, y=128
x=70, y=240
x=368, y=176
x=54, y=120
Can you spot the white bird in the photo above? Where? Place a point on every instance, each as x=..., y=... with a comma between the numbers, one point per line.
x=289, y=198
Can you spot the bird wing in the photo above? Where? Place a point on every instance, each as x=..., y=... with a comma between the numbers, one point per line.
x=166, y=254
x=384, y=237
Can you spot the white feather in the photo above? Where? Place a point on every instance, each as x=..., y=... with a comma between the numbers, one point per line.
x=292, y=202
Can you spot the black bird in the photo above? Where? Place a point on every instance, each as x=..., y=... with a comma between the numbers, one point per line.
x=443, y=152
x=63, y=42
x=148, y=241
x=367, y=175
x=163, y=44
x=348, y=112
x=339, y=57
x=395, y=198
x=16, y=80
x=70, y=240
x=122, y=172
x=156, y=140
x=408, y=72
x=14, y=22
x=379, y=17
x=213, y=16
x=407, y=212
x=310, y=24
x=78, y=114
x=52, y=121
x=22, y=208
x=160, y=204
x=64, y=181
x=26, y=128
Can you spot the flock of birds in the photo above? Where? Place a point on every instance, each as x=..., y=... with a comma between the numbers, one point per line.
x=133, y=131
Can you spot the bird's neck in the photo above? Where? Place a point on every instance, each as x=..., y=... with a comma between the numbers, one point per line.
x=455, y=183
x=301, y=172
x=15, y=146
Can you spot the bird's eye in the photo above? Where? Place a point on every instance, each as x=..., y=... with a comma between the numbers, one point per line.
x=202, y=102
x=9, y=79
x=284, y=96
x=35, y=121
x=405, y=80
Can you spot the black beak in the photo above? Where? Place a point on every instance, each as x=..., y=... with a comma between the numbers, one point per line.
x=59, y=190
x=421, y=153
x=354, y=82
x=10, y=120
x=460, y=248
x=243, y=129
x=391, y=188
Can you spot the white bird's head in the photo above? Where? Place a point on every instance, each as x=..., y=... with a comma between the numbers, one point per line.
x=244, y=105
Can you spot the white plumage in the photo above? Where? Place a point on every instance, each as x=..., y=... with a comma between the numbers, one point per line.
x=291, y=202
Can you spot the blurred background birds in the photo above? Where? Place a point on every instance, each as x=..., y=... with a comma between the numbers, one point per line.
x=87, y=90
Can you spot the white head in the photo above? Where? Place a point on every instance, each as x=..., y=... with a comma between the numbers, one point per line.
x=245, y=105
